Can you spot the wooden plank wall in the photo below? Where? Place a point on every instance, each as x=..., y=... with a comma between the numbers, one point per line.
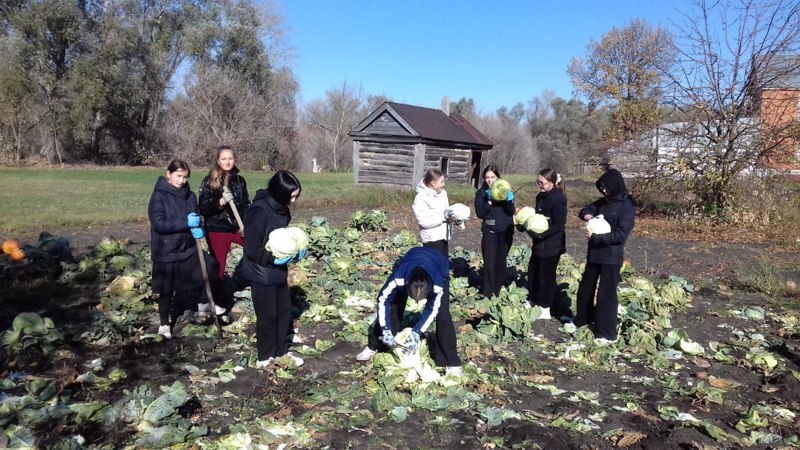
x=459, y=162
x=385, y=163
x=385, y=124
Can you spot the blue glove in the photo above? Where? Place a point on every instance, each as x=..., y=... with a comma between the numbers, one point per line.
x=282, y=261
x=510, y=196
x=412, y=344
x=197, y=233
x=388, y=338
x=193, y=220
x=300, y=255
x=489, y=194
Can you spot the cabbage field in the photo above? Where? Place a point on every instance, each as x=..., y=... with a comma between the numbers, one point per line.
x=701, y=363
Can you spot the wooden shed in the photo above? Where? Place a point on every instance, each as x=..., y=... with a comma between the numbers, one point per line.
x=397, y=143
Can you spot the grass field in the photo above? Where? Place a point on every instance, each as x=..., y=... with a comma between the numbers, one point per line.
x=38, y=198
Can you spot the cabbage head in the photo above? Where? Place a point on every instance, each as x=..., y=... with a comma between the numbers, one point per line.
x=598, y=225
x=499, y=190
x=537, y=223
x=286, y=242
x=460, y=211
x=523, y=215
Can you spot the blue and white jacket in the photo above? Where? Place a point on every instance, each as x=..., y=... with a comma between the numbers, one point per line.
x=436, y=265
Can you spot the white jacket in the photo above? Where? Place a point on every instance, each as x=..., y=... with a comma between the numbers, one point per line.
x=429, y=208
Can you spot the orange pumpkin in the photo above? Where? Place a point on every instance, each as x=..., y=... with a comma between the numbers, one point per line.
x=10, y=246
x=17, y=255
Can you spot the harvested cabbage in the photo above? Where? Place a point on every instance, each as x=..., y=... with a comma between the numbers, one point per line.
x=598, y=225
x=530, y=221
x=459, y=211
x=286, y=242
x=499, y=190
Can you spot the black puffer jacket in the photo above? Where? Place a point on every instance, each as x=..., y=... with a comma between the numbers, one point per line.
x=497, y=217
x=552, y=242
x=170, y=238
x=220, y=218
x=264, y=215
x=618, y=210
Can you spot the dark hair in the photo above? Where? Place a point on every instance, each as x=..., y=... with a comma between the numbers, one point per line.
x=281, y=186
x=179, y=164
x=419, y=285
x=491, y=168
x=552, y=176
x=431, y=175
x=216, y=176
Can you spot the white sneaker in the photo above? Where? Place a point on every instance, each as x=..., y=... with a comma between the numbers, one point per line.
x=366, y=354
x=298, y=361
x=545, y=315
x=603, y=342
x=164, y=331
x=264, y=364
x=454, y=371
x=206, y=307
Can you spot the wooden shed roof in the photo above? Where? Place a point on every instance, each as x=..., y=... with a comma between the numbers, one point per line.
x=426, y=124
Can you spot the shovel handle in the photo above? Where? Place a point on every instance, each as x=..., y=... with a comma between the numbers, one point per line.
x=207, y=283
x=235, y=213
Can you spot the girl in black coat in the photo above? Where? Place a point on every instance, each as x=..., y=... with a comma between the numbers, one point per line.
x=215, y=205
x=174, y=227
x=604, y=257
x=497, y=232
x=547, y=247
x=268, y=275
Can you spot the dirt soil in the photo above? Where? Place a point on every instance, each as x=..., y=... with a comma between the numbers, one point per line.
x=707, y=260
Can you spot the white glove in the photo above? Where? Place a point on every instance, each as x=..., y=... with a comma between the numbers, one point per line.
x=227, y=197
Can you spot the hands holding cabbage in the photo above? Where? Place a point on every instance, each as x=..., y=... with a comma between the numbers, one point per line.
x=528, y=220
x=457, y=213
x=287, y=245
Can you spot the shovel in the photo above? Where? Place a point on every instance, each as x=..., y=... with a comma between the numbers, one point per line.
x=235, y=211
x=208, y=285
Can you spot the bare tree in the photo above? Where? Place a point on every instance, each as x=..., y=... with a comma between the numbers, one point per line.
x=730, y=52
x=331, y=119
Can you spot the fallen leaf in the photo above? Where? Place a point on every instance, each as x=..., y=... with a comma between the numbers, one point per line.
x=629, y=438
x=701, y=362
x=537, y=378
x=722, y=383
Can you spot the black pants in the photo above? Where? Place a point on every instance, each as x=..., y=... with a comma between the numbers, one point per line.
x=542, y=280
x=602, y=316
x=443, y=342
x=494, y=247
x=441, y=245
x=273, y=307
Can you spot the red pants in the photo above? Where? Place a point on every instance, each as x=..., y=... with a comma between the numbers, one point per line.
x=220, y=244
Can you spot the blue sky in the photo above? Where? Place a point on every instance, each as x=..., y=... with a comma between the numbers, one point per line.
x=415, y=51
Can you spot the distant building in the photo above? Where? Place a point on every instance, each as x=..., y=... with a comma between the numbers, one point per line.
x=397, y=143
x=774, y=118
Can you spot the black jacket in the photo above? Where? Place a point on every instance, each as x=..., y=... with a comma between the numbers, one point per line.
x=552, y=242
x=220, y=218
x=264, y=215
x=618, y=210
x=497, y=217
x=170, y=238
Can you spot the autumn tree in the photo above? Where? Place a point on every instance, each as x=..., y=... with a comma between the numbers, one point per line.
x=730, y=52
x=624, y=71
x=329, y=121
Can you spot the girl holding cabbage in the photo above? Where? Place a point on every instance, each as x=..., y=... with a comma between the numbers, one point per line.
x=547, y=246
x=267, y=273
x=604, y=256
x=496, y=208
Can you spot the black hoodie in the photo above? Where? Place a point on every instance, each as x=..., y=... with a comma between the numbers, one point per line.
x=264, y=215
x=617, y=208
